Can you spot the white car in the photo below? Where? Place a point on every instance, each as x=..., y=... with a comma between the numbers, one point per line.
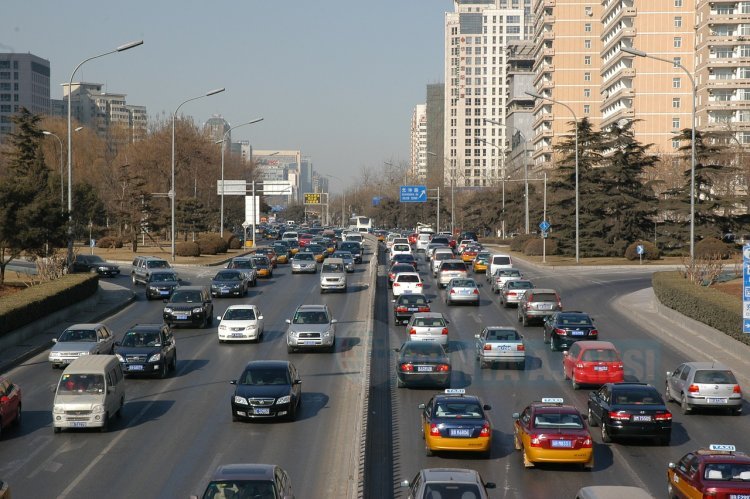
x=438, y=256
x=498, y=261
x=407, y=282
x=423, y=239
x=428, y=326
x=240, y=323
x=399, y=248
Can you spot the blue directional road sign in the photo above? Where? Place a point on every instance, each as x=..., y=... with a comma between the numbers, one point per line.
x=639, y=249
x=413, y=194
x=746, y=289
x=544, y=225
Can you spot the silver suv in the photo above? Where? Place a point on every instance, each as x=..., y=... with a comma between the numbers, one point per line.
x=449, y=269
x=311, y=327
x=333, y=275
x=144, y=265
x=704, y=384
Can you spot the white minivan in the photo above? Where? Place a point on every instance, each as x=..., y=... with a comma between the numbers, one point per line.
x=290, y=236
x=498, y=261
x=423, y=240
x=91, y=390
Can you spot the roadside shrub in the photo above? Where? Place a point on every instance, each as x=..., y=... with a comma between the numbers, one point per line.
x=211, y=244
x=702, y=303
x=188, y=248
x=711, y=247
x=518, y=243
x=232, y=241
x=109, y=242
x=650, y=252
x=535, y=247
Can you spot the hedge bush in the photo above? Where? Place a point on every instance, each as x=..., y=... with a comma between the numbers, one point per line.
x=707, y=305
x=535, y=247
x=650, y=252
x=212, y=244
x=518, y=243
x=109, y=242
x=24, y=307
x=711, y=247
x=187, y=248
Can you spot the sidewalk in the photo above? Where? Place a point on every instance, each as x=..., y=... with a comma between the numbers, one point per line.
x=30, y=340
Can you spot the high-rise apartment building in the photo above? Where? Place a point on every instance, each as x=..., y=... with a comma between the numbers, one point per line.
x=567, y=62
x=476, y=38
x=418, y=156
x=435, y=112
x=24, y=82
x=103, y=111
x=216, y=126
x=518, y=115
x=723, y=67
x=656, y=94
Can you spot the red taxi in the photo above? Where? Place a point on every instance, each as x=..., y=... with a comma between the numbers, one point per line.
x=592, y=363
x=718, y=471
x=10, y=404
x=552, y=432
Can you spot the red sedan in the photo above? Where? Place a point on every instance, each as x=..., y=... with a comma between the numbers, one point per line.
x=592, y=363
x=304, y=239
x=10, y=404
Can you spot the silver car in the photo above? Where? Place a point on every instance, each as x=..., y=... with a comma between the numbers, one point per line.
x=447, y=482
x=513, y=290
x=704, y=384
x=347, y=257
x=311, y=327
x=449, y=269
x=333, y=275
x=501, y=276
x=304, y=262
x=460, y=290
x=79, y=340
x=428, y=326
x=438, y=256
x=500, y=344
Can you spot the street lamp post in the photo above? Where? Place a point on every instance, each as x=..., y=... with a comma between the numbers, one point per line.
x=172, y=193
x=62, y=186
x=121, y=48
x=223, y=147
x=640, y=53
x=502, y=179
x=539, y=96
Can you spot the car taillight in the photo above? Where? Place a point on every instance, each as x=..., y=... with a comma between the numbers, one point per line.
x=559, y=305
x=434, y=430
x=619, y=366
x=593, y=332
x=412, y=331
x=536, y=440
x=693, y=389
x=400, y=309
x=407, y=367
x=619, y=415
x=487, y=347
x=663, y=416
x=453, y=291
x=510, y=293
x=443, y=368
x=520, y=347
x=485, y=430
x=445, y=330
x=587, y=443
x=419, y=284
x=391, y=276
x=476, y=291
x=396, y=284
x=579, y=365
x=424, y=309
x=560, y=332
x=736, y=389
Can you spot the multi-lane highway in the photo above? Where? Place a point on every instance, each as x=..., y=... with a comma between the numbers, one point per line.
x=175, y=431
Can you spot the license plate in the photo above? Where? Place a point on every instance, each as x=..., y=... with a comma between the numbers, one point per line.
x=561, y=444
x=642, y=418
x=424, y=368
x=78, y=424
x=717, y=401
x=238, y=335
x=309, y=342
x=739, y=496
x=412, y=309
x=261, y=410
x=181, y=317
x=407, y=291
x=464, y=291
x=544, y=306
x=163, y=292
x=460, y=432
x=503, y=347
x=577, y=332
x=601, y=368
x=135, y=368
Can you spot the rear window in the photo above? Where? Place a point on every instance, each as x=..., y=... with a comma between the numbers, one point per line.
x=519, y=285
x=603, y=355
x=407, y=278
x=714, y=377
x=430, y=322
x=501, y=260
x=544, y=297
x=638, y=396
x=453, y=266
x=503, y=335
x=413, y=300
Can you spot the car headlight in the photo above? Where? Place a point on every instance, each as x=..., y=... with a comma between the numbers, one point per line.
x=293, y=333
x=97, y=409
x=103, y=269
x=155, y=357
x=167, y=310
x=236, y=286
x=58, y=409
x=197, y=310
x=327, y=333
x=152, y=288
x=120, y=357
x=251, y=327
x=222, y=327
x=240, y=400
x=284, y=400
x=84, y=353
x=214, y=286
x=54, y=355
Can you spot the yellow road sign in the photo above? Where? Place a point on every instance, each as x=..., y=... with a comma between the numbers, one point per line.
x=312, y=198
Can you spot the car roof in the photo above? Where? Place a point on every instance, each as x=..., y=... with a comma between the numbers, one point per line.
x=596, y=345
x=459, y=475
x=242, y=306
x=312, y=307
x=192, y=288
x=708, y=365
x=268, y=363
x=146, y=327
x=430, y=315
x=244, y=472
x=86, y=325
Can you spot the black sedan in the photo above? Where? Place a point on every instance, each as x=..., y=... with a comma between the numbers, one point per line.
x=229, y=282
x=267, y=389
x=161, y=283
x=562, y=329
x=407, y=305
x=94, y=263
x=424, y=363
x=397, y=268
x=630, y=410
x=405, y=258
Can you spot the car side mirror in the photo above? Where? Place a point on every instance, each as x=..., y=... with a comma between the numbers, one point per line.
x=487, y=407
x=669, y=373
x=260, y=317
x=421, y=406
x=233, y=382
x=334, y=321
x=218, y=317
x=117, y=343
x=288, y=321
x=54, y=340
x=297, y=381
x=671, y=466
x=515, y=415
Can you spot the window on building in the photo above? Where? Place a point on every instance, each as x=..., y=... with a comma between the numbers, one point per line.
x=586, y=76
x=744, y=72
x=589, y=11
x=4, y=64
x=678, y=21
x=467, y=122
x=675, y=144
x=5, y=97
x=745, y=7
x=587, y=92
x=4, y=75
x=744, y=137
x=676, y=83
x=677, y=42
x=675, y=123
x=587, y=44
x=513, y=30
x=586, y=108
x=744, y=29
x=5, y=86
x=5, y=108
x=677, y=61
x=467, y=152
x=678, y=3
x=587, y=27
x=675, y=102
x=587, y=60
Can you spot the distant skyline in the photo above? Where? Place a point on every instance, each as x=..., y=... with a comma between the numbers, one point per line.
x=337, y=80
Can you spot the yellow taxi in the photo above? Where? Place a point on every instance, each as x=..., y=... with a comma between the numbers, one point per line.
x=270, y=253
x=552, y=432
x=481, y=262
x=293, y=247
x=263, y=266
x=381, y=235
x=282, y=253
x=469, y=253
x=319, y=252
x=454, y=421
x=719, y=471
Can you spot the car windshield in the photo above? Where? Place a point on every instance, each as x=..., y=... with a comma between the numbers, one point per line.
x=261, y=261
x=265, y=376
x=429, y=322
x=458, y=409
x=637, y=396
x=423, y=348
x=332, y=267
x=315, y=248
x=727, y=471
x=242, y=264
x=568, y=320
x=239, y=488
x=344, y=255
x=310, y=317
x=75, y=335
x=140, y=339
x=351, y=247
x=715, y=377
x=71, y=384
x=228, y=276
x=186, y=297
x=162, y=277
x=558, y=420
x=452, y=490
x=503, y=334
x=600, y=355
x=519, y=285
x=239, y=314
x=412, y=300
x=304, y=256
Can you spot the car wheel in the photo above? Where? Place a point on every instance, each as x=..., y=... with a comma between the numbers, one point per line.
x=118, y=414
x=521, y=366
x=57, y=429
x=526, y=462
x=483, y=364
x=686, y=409
x=737, y=411
x=210, y=318
x=486, y=454
x=592, y=421
x=573, y=382
x=565, y=374
x=17, y=421
x=235, y=418
x=105, y=427
x=173, y=365
x=606, y=438
x=516, y=442
x=525, y=320
x=519, y=317
x=132, y=278
x=289, y=349
x=427, y=451
x=164, y=370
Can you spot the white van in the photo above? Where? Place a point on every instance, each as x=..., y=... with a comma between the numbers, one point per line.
x=91, y=390
x=423, y=240
x=498, y=261
x=290, y=236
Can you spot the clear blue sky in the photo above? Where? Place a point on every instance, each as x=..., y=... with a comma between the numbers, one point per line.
x=337, y=80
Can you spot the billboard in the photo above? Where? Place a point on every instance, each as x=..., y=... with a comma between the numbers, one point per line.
x=312, y=198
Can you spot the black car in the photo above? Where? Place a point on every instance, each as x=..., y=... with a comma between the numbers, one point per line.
x=397, y=268
x=407, y=305
x=562, y=329
x=229, y=282
x=147, y=349
x=405, y=258
x=266, y=481
x=94, y=263
x=161, y=284
x=353, y=247
x=630, y=410
x=267, y=389
x=190, y=305
x=424, y=363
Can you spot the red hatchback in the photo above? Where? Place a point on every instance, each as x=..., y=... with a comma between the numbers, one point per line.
x=592, y=363
x=10, y=404
x=304, y=239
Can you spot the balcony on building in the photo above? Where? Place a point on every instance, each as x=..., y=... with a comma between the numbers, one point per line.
x=627, y=113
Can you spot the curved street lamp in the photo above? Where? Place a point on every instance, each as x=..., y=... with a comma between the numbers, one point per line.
x=172, y=194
